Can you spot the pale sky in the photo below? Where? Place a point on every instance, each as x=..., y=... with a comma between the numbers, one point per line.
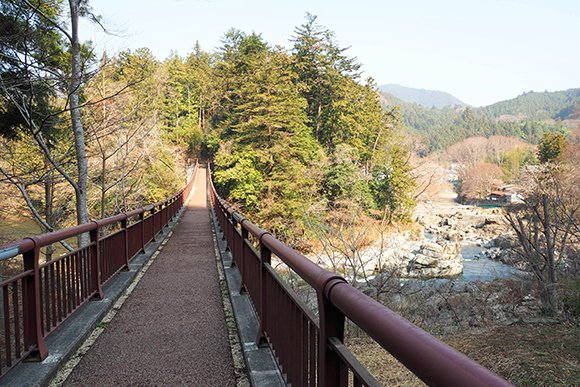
x=481, y=51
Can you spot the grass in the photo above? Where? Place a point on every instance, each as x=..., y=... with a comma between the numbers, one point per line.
x=524, y=354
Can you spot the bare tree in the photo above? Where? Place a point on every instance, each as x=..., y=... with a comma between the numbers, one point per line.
x=498, y=146
x=43, y=80
x=118, y=127
x=547, y=227
x=481, y=179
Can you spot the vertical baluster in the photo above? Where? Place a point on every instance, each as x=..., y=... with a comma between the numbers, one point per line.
x=304, y=344
x=59, y=285
x=74, y=260
x=53, y=291
x=17, y=320
x=69, y=296
x=297, y=344
x=46, y=297
x=83, y=273
x=314, y=371
x=79, y=276
x=243, y=256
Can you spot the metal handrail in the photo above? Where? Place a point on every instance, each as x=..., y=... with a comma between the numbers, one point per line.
x=39, y=299
x=433, y=361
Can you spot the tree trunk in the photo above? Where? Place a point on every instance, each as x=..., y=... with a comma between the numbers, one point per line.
x=551, y=284
x=77, y=126
x=318, y=120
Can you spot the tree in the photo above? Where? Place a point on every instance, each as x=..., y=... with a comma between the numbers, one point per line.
x=324, y=72
x=393, y=186
x=515, y=159
x=541, y=244
x=498, y=146
x=123, y=136
x=38, y=47
x=551, y=146
x=261, y=128
x=468, y=152
x=547, y=225
x=480, y=180
x=343, y=180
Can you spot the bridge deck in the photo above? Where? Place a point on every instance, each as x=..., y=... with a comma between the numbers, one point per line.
x=171, y=330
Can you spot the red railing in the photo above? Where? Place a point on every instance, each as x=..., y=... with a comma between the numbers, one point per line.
x=40, y=298
x=309, y=345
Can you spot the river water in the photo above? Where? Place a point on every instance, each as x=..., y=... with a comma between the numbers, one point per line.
x=483, y=268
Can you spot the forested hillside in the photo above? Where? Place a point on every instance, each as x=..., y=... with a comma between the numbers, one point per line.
x=558, y=105
x=527, y=117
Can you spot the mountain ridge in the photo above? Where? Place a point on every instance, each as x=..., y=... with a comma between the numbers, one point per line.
x=424, y=97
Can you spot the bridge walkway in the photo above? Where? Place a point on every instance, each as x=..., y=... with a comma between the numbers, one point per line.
x=172, y=330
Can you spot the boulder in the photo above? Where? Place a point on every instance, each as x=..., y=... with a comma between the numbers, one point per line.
x=435, y=260
x=430, y=246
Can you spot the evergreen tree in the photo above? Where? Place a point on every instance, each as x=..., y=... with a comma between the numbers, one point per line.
x=266, y=149
x=324, y=73
x=551, y=146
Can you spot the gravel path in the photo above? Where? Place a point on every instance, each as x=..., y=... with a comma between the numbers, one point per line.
x=171, y=331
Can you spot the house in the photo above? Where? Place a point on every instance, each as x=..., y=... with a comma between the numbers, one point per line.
x=506, y=194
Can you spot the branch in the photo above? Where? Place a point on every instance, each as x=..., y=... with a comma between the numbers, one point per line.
x=55, y=24
x=21, y=187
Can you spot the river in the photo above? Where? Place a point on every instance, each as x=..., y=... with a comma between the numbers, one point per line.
x=482, y=268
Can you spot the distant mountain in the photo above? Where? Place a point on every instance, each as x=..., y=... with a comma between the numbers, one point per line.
x=426, y=98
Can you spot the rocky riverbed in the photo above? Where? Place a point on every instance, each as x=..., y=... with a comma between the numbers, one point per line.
x=449, y=229
x=460, y=274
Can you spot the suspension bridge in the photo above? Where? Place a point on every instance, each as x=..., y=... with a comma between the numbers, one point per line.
x=183, y=292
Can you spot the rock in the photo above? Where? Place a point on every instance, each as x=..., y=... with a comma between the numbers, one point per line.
x=452, y=248
x=436, y=260
x=452, y=236
x=429, y=246
x=493, y=252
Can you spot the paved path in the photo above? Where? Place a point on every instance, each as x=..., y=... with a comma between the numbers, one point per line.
x=171, y=331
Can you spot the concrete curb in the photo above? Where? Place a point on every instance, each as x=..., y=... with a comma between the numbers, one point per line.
x=68, y=338
x=262, y=368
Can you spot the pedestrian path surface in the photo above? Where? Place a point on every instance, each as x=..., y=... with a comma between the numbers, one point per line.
x=171, y=331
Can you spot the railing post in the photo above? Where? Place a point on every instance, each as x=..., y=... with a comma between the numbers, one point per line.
x=242, y=265
x=33, y=333
x=164, y=217
x=142, y=221
x=331, y=373
x=96, y=275
x=265, y=258
x=153, y=223
x=126, y=232
x=232, y=239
